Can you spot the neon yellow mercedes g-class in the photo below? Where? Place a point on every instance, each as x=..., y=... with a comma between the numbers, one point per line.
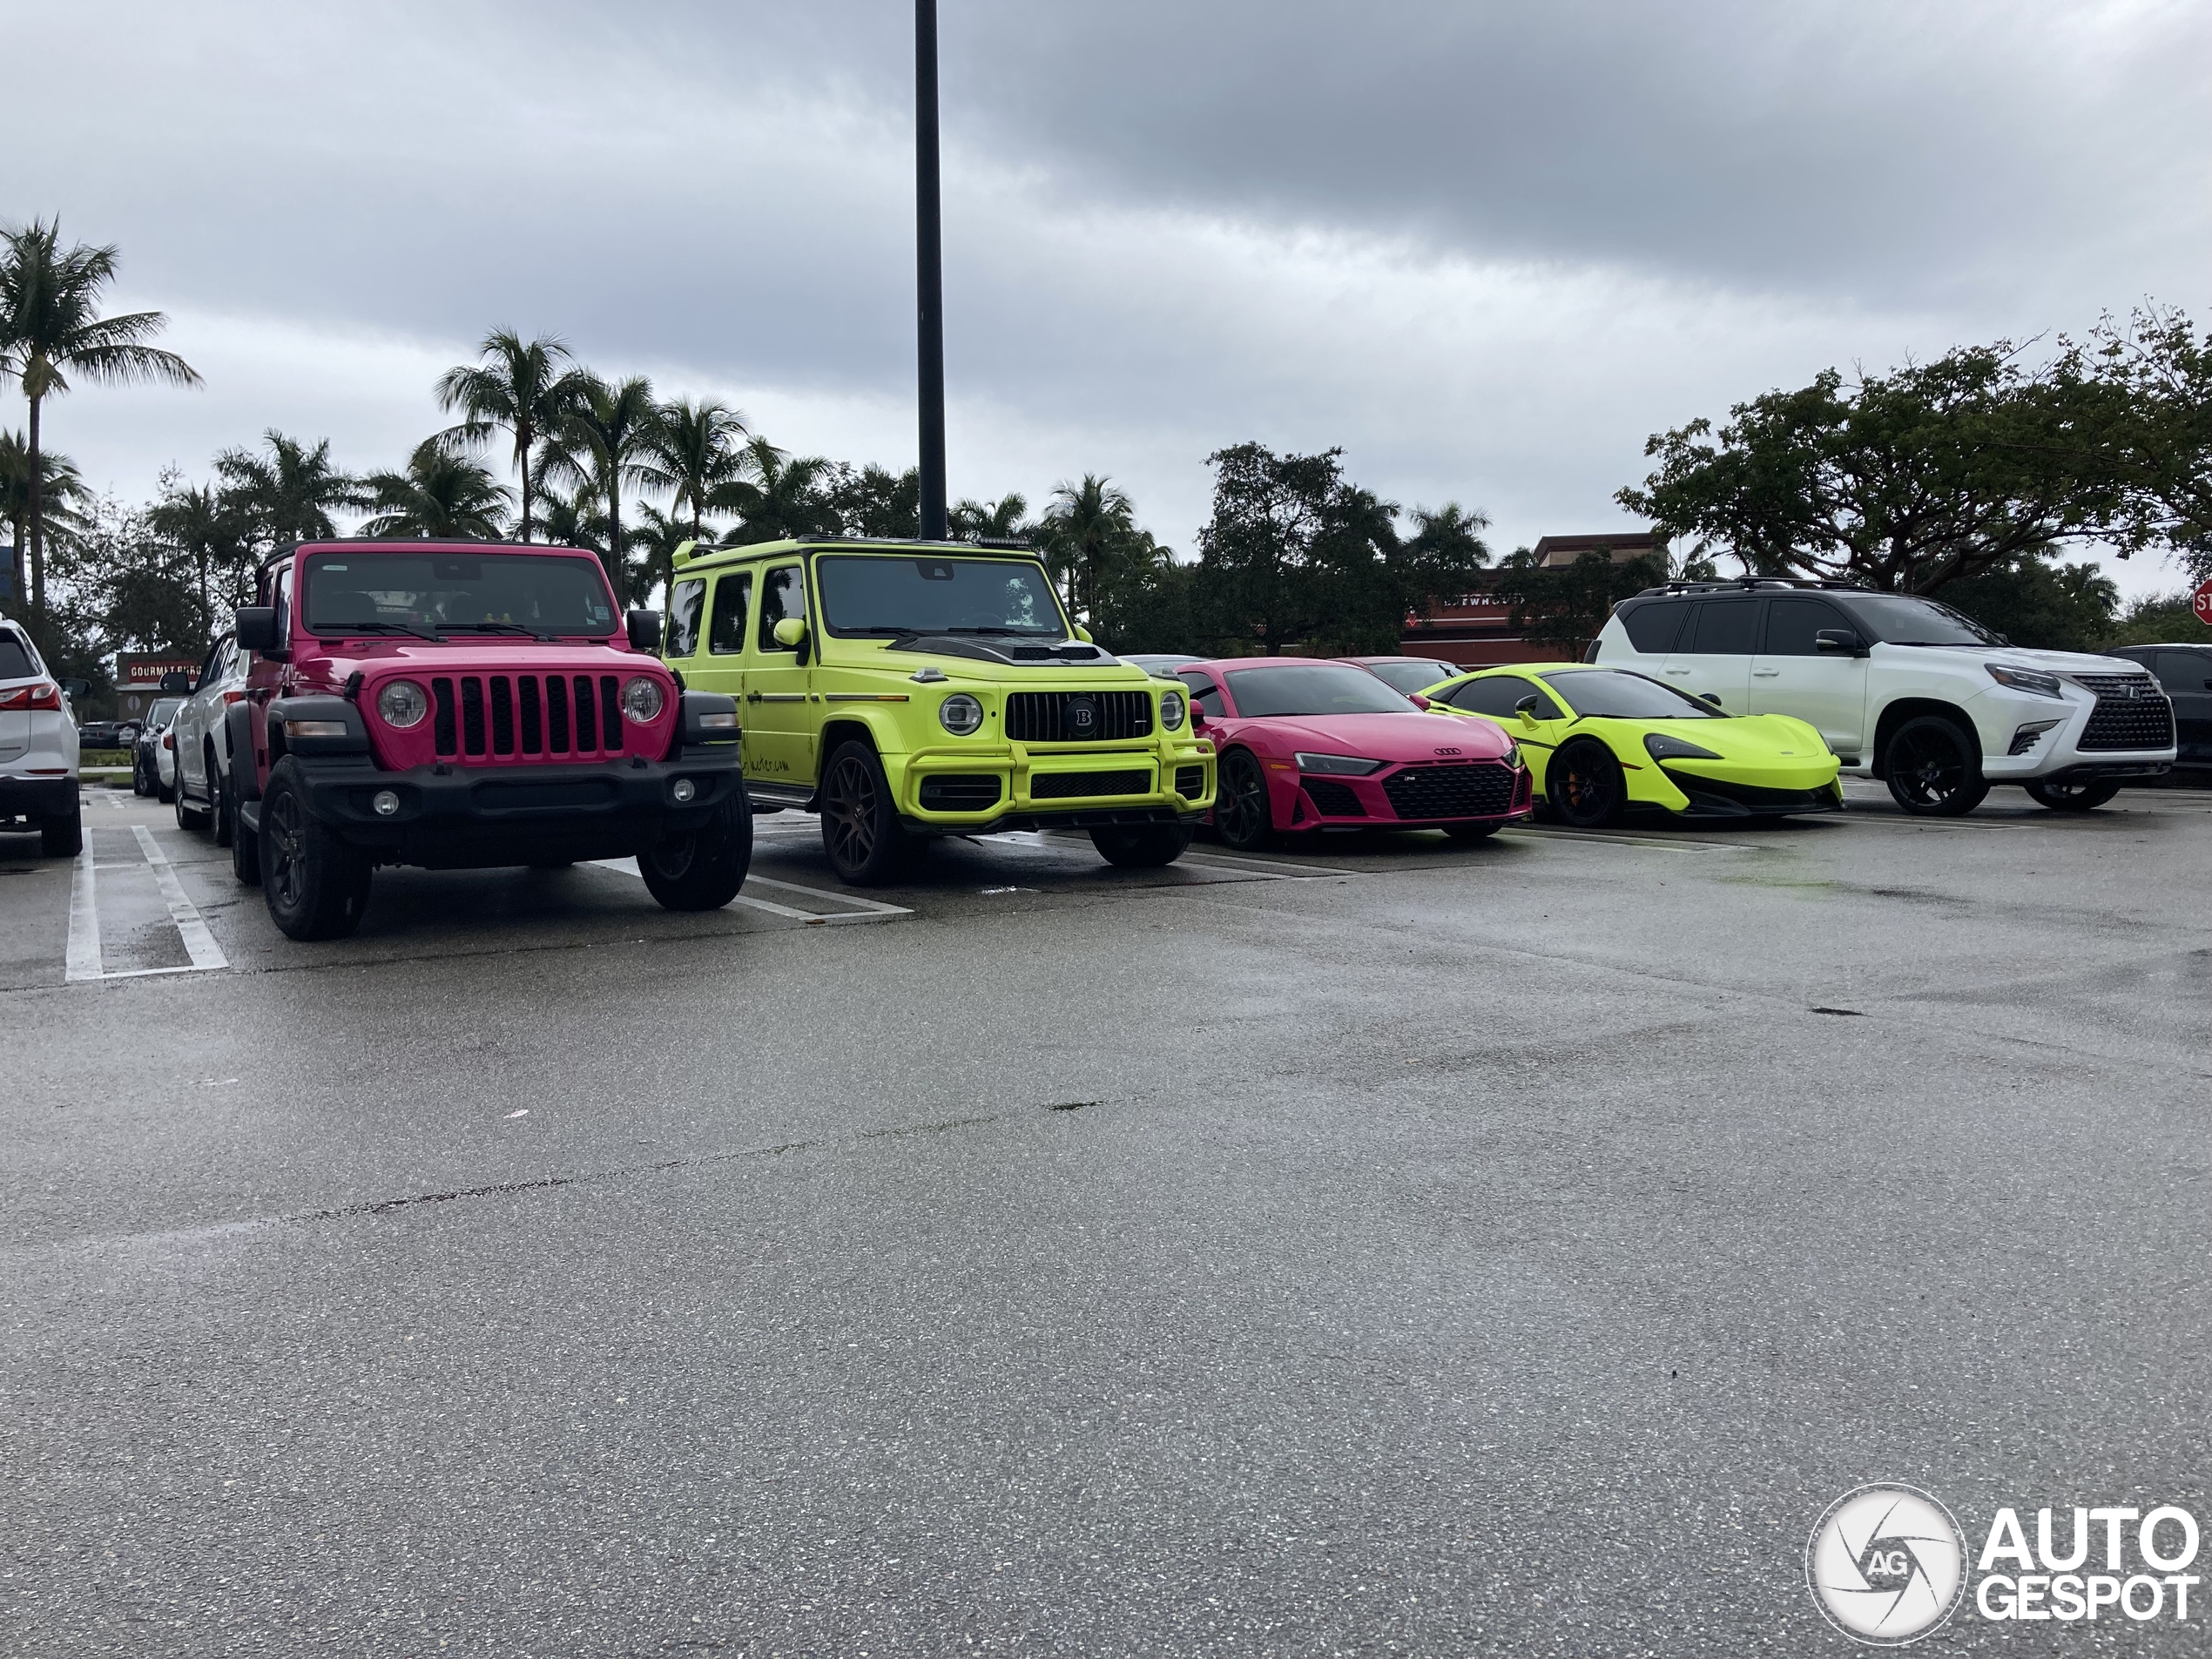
x=909, y=690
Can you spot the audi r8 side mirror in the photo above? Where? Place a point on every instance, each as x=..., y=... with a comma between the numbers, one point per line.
x=1418, y=700
x=1837, y=640
x=1197, y=719
x=645, y=630
x=791, y=633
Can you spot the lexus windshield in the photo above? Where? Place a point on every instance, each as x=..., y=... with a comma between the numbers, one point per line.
x=1312, y=688
x=1612, y=694
x=871, y=594
x=1901, y=619
x=437, y=594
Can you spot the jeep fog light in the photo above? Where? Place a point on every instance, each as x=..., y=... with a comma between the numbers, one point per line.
x=641, y=700
x=385, y=803
x=684, y=790
x=960, y=714
x=402, y=703
x=1171, y=710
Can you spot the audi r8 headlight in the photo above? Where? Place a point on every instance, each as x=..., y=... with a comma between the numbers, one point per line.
x=1172, y=710
x=641, y=700
x=1511, y=756
x=402, y=703
x=1347, y=765
x=2025, y=680
x=960, y=714
x=1664, y=745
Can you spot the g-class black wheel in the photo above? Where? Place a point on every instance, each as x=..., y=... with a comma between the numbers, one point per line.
x=1933, y=769
x=1141, y=846
x=1241, y=816
x=700, y=869
x=860, y=829
x=315, y=885
x=1585, y=786
x=2072, y=797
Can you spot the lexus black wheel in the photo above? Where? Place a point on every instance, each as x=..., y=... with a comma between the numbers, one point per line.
x=1241, y=816
x=2072, y=797
x=1933, y=769
x=1585, y=786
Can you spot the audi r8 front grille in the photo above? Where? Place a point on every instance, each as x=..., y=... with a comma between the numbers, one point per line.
x=526, y=716
x=2131, y=714
x=1331, y=799
x=1066, y=786
x=1479, y=790
x=1078, y=717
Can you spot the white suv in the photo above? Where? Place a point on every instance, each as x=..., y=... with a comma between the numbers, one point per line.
x=201, y=740
x=1904, y=689
x=37, y=749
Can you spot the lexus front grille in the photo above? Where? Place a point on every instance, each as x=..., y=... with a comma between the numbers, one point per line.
x=2131, y=714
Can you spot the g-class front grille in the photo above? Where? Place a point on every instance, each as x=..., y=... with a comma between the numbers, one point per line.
x=2131, y=714
x=1078, y=717
x=1484, y=790
x=958, y=794
x=1331, y=799
x=1190, y=782
x=547, y=716
x=1065, y=785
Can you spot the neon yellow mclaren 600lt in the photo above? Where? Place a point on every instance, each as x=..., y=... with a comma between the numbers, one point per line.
x=1604, y=743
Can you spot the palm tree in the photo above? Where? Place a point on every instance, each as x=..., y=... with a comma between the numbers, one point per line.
x=440, y=497
x=601, y=443
x=205, y=526
x=1085, y=526
x=1002, y=520
x=694, y=451
x=60, y=488
x=520, y=389
x=575, y=520
x=50, y=328
x=287, y=493
x=782, y=495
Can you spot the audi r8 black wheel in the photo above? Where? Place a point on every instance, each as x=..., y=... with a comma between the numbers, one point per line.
x=700, y=869
x=1933, y=769
x=315, y=885
x=1141, y=846
x=1468, y=833
x=2072, y=797
x=1241, y=817
x=1585, y=786
x=860, y=829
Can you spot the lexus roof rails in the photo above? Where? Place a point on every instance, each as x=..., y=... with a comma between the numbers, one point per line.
x=1755, y=583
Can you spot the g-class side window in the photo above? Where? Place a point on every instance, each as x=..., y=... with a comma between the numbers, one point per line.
x=1652, y=628
x=684, y=605
x=783, y=597
x=733, y=598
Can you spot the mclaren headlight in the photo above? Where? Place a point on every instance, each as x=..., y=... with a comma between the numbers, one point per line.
x=1664, y=745
x=1342, y=766
x=960, y=714
x=1172, y=710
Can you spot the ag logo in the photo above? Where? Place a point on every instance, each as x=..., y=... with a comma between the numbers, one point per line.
x=1887, y=1565
x=1082, y=716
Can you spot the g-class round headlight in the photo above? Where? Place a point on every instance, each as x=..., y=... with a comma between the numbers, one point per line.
x=1171, y=710
x=960, y=714
x=402, y=703
x=641, y=700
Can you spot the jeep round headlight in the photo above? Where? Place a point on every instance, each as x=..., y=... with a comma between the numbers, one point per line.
x=402, y=703
x=960, y=714
x=1171, y=710
x=641, y=700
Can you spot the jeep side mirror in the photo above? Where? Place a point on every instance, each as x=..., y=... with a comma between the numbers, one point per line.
x=1419, y=701
x=257, y=628
x=791, y=633
x=645, y=630
x=1837, y=640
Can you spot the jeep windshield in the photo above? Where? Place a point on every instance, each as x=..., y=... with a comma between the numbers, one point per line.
x=869, y=594
x=430, y=595
x=1902, y=619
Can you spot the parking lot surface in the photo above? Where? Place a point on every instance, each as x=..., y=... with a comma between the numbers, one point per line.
x=1397, y=1247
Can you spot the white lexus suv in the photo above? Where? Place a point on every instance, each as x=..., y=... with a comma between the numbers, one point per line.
x=1903, y=689
x=37, y=749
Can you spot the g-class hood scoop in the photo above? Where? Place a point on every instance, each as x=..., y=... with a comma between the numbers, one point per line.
x=1064, y=653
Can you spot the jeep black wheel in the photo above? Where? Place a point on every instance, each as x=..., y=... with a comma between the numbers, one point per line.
x=1585, y=786
x=221, y=807
x=1141, y=846
x=1933, y=769
x=2072, y=797
x=246, y=844
x=701, y=869
x=315, y=885
x=1241, y=814
x=860, y=830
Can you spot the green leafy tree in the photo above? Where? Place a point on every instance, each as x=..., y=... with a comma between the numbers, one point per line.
x=214, y=545
x=61, y=490
x=577, y=520
x=50, y=329
x=601, y=445
x=872, y=500
x=1086, y=528
x=783, y=495
x=2159, y=619
x=524, y=390
x=1904, y=481
x=288, y=492
x=2035, y=602
x=1006, y=519
x=2156, y=372
x=1563, y=606
x=440, y=497
x=695, y=452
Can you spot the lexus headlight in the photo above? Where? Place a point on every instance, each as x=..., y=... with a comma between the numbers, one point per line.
x=1172, y=710
x=641, y=700
x=2025, y=680
x=1663, y=746
x=402, y=703
x=960, y=714
x=1348, y=765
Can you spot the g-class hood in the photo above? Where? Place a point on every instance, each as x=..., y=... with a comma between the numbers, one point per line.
x=1008, y=651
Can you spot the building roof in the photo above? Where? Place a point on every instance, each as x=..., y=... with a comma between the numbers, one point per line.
x=1622, y=544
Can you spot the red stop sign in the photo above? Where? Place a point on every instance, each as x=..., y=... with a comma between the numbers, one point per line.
x=2202, y=600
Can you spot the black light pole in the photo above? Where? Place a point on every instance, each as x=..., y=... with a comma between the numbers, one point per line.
x=929, y=248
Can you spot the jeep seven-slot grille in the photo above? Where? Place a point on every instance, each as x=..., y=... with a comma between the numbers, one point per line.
x=1063, y=786
x=1479, y=791
x=2131, y=714
x=1078, y=717
x=547, y=716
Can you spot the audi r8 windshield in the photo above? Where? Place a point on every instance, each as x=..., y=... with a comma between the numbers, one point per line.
x=1312, y=688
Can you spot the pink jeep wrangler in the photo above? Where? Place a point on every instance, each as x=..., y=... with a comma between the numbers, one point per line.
x=460, y=705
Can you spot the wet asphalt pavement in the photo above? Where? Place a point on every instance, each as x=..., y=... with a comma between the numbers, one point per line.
x=1399, y=1249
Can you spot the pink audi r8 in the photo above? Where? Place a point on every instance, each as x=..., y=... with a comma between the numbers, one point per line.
x=1308, y=745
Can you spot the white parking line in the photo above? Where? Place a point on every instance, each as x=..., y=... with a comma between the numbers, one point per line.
x=84, y=961
x=199, y=944
x=868, y=910
x=85, y=918
x=1263, y=869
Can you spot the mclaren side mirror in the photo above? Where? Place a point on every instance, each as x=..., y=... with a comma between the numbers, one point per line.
x=1835, y=640
x=791, y=633
x=257, y=630
x=645, y=630
x=1714, y=697
x=1527, y=709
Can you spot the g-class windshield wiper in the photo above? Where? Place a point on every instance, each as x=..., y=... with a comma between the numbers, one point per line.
x=493, y=628
x=1018, y=633
x=887, y=632
x=343, y=629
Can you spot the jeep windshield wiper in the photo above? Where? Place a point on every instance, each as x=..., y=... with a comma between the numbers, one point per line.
x=343, y=629
x=493, y=628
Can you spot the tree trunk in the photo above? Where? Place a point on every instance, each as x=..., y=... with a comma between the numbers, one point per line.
x=38, y=529
x=17, y=589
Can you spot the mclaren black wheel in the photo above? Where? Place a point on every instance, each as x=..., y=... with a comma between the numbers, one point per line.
x=1241, y=816
x=1586, y=787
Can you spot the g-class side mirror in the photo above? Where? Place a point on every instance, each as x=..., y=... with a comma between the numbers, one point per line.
x=1839, y=639
x=1082, y=633
x=645, y=630
x=791, y=633
x=257, y=628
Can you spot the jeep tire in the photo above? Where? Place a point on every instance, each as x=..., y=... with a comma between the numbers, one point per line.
x=1141, y=846
x=1933, y=769
x=860, y=829
x=315, y=885
x=245, y=844
x=701, y=869
x=63, y=838
x=2072, y=797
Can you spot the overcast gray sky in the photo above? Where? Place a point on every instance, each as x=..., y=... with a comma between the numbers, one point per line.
x=1488, y=249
